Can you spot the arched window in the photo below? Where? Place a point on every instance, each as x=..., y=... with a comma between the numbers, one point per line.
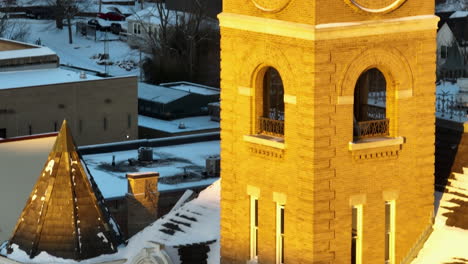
x=272, y=118
x=370, y=105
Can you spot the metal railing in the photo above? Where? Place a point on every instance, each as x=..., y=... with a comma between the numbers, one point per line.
x=450, y=106
x=271, y=127
x=373, y=128
x=375, y=112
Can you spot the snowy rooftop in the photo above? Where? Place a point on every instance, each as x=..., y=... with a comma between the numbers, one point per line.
x=27, y=78
x=192, y=88
x=205, y=209
x=28, y=51
x=171, y=160
x=168, y=92
x=158, y=93
x=459, y=14
x=172, y=126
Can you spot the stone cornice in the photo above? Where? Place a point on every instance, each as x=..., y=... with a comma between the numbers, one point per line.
x=328, y=31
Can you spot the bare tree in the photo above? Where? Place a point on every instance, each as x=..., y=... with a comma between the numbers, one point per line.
x=67, y=9
x=13, y=29
x=176, y=42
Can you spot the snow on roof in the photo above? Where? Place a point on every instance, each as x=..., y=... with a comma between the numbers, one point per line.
x=193, y=88
x=196, y=221
x=173, y=159
x=172, y=126
x=160, y=94
x=27, y=78
x=25, y=53
x=447, y=243
x=459, y=14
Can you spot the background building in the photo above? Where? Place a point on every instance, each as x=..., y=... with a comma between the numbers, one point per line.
x=36, y=96
x=327, y=128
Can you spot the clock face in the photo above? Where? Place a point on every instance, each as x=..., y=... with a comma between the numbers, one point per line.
x=376, y=6
x=271, y=5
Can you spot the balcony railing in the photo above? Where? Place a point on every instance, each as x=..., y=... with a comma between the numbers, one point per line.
x=271, y=127
x=373, y=128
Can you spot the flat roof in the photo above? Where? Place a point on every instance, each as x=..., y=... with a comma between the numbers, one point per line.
x=170, y=161
x=193, y=88
x=28, y=78
x=23, y=50
x=160, y=94
x=172, y=126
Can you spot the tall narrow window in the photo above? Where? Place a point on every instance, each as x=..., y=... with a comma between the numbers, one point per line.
x=390, y=232
x=30, y=129
x=55, y=126
x=279, y=233
x=272, y=120
x=129, y=121
x=370, y=105
x=253, y=228
x=356, y=235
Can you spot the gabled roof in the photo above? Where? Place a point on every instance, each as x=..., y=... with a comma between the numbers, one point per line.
x=65, y=214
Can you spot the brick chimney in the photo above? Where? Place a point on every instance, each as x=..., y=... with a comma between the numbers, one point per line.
x=142, y=200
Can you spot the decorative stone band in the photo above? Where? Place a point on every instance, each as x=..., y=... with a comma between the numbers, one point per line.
x=328, y=31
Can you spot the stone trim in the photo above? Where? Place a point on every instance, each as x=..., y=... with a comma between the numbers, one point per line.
x=247, y=91
x=377, y=143
x=253, y=191
x=345, y=100
x=358, y=199
x=328, y=31
x=289, y=99
x=265, y=142
x=279, y=198
x=390, y=195
x=404, y=94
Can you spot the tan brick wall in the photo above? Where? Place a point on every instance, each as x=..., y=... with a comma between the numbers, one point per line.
x=316, y=170
x=88, y=101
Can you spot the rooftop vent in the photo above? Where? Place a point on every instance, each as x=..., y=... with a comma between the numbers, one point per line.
x=145, y=154
x=82, y=75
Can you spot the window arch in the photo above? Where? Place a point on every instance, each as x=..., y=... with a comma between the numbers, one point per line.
x=370, y=96
x=271, y=119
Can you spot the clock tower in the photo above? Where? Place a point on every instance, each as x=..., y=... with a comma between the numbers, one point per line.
x=327, y=131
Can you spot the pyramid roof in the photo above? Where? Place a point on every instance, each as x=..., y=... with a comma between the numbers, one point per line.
x=65, y=214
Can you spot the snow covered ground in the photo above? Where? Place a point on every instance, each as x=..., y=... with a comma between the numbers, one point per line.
x=84, y=50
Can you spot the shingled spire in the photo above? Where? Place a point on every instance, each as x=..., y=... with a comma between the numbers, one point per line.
x=65, y=214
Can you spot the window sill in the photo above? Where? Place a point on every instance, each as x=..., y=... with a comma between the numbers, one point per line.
x=376, y=142
x=270, y=141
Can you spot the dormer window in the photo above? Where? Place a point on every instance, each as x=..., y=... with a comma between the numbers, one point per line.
x=271, y=122
x=370, y=106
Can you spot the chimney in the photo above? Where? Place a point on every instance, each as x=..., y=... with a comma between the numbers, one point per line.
x=142, y=200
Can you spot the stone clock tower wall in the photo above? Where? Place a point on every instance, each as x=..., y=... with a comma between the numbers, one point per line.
x=317, y=169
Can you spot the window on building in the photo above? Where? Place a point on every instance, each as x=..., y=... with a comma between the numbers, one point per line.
x=271, y=122
x=3, y=133
x=356, y=235
x=30, y=129
x=390, y=232
x=370, y=105
x=137, y=28
x=55, y=126
x=253, y=228
x=129, y=121
x=279, y=234
x=443, y=52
